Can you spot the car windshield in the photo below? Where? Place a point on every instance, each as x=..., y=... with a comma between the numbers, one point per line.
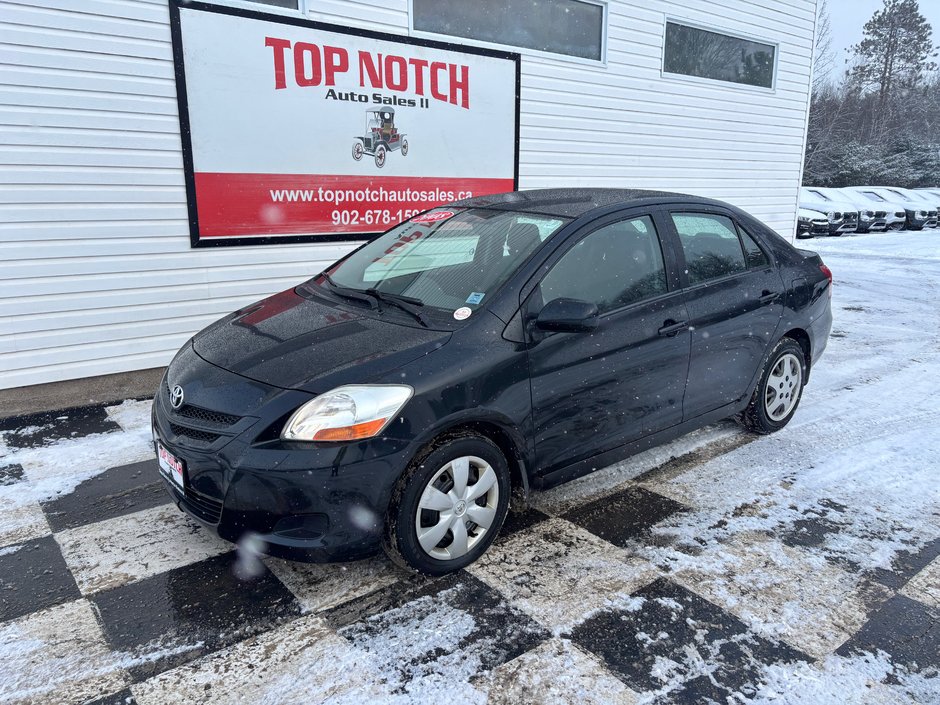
x=447, y=258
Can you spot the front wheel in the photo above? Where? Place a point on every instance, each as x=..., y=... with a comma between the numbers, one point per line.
x=448, y=506
x=357, y=151
x=779, y=390
x=404, y=148
x=380, y=153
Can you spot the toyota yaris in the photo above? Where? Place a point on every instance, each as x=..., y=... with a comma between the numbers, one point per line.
x=480, y=350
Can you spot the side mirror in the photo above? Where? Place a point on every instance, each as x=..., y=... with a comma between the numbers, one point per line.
x=567, y=315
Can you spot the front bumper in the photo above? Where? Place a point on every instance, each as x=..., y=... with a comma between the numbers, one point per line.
x=314, y=502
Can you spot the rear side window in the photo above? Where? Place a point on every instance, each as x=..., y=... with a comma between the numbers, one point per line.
x=615, y=266
x=711, y=246
x=753, y=253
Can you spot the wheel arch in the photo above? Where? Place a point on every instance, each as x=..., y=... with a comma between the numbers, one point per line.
x=803, y=339
x=506, y=437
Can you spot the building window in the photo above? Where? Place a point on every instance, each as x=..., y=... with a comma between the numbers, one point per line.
x=570, y=27
x=690, y=51
x=286, y=4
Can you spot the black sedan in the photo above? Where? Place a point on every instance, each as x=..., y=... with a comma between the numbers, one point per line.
x=479, y=350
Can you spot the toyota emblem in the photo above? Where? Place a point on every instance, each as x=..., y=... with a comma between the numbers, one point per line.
x=176, y=397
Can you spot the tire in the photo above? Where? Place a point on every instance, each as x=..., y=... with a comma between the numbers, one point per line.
x=357, y=151
x=404, y=148
x=410, y=507
x=765, y=416
x=380, y=154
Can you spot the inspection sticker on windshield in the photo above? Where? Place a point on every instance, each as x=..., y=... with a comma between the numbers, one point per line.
x=475, y=298
x=462, y=313
x=432, y=217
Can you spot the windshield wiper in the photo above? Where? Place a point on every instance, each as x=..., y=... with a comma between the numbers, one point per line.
x=350, y=293
x=405, y=303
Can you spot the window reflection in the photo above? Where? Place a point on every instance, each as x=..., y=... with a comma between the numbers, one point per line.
x=697, y=52
x=567, y=27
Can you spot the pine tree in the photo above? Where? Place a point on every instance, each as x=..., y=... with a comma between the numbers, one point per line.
x=895, y=51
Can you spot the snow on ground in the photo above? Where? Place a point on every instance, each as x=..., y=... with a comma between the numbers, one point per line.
x=59, y=467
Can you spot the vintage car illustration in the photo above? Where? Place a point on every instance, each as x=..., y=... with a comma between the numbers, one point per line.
x=381, y=136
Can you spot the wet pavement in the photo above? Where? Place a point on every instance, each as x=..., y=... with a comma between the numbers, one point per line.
x=802, y=567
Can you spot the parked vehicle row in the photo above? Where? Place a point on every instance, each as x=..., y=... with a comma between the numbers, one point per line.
x=836, y=211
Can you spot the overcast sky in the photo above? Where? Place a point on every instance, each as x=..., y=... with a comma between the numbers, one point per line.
x=849, y=17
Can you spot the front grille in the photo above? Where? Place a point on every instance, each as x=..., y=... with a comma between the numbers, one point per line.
x=198, y=413
x=899, y=214
x=851, y=216
x=207, y=509
x=881, y=214
x=837, y=216
x=194, y=434
x=206, y=415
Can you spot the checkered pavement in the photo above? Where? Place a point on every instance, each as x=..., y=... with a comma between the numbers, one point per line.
x=109, y=594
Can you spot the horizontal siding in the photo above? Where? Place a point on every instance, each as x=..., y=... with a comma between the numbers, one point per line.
x=96, y=272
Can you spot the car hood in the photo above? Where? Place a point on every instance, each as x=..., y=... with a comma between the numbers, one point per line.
x=828, y=206
x=294, y=342
x=812, y=214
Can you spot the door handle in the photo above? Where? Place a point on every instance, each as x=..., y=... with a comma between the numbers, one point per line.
x=672, y=328
x=767, y=296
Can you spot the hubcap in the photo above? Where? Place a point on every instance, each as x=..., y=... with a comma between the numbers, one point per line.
x=783, y=387
x=457, y=508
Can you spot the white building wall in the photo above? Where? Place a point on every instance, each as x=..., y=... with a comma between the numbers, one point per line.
x=96, y=271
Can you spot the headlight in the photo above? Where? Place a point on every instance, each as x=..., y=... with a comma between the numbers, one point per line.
x=921, y=214
x=831, y=215
x=347, y=413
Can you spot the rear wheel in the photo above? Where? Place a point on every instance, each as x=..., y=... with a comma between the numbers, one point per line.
x=449, y=505
x=779, y=390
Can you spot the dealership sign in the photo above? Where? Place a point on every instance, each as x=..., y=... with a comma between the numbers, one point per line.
x=296, y=130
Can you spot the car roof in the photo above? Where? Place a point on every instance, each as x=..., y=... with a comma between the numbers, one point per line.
x=575, y=202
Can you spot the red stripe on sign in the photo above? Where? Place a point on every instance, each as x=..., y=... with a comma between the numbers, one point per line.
x=242, y=205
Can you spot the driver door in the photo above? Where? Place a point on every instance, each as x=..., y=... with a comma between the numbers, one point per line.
x=594, y=391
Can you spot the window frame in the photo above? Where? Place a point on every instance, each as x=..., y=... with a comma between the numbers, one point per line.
x=524, y=51
x=693, y=209
x=303, y=7
x=673, y=285
x=716, y=82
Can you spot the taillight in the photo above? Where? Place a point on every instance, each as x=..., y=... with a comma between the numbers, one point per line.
x=828, y=272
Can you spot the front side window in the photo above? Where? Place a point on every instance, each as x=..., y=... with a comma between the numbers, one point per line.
x=614, y=266
x=446, y=258
x=690, y=51
x=711, y=246
x=571, y=27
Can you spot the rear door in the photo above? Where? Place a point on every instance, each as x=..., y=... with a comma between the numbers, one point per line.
x=735, y=301
x=593, y=391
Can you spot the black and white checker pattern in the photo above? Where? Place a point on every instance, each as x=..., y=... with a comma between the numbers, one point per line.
x=597, y=593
